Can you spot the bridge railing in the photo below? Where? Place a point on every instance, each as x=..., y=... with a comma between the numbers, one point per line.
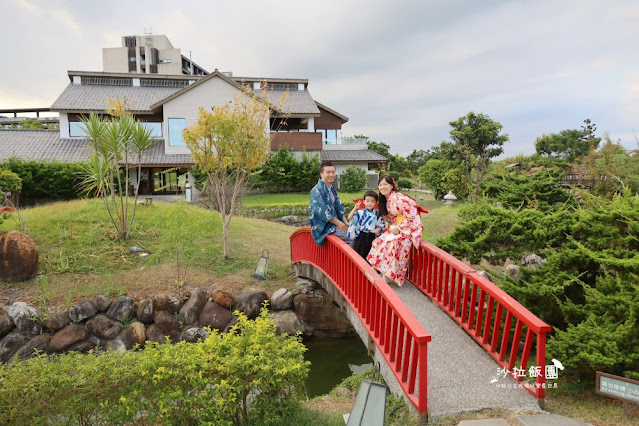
x=486, y=312
x=398, y=335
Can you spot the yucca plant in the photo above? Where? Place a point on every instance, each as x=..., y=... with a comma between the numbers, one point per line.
x=117, y=143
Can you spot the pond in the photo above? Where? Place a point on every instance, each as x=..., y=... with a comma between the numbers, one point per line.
x=332, y=360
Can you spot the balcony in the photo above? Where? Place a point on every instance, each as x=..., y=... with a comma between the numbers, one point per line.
x=353, y=141
x=297, y=141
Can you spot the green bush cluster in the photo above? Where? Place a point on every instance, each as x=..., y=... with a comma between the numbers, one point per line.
x=540, y=192
x=282, y=172
x=404, y=183
x=352, y=179
x=48, y=180
x=497, y=234
x=250, y=375
x=588, y=288
x=9, y=182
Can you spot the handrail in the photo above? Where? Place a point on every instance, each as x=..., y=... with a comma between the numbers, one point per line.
x=472, y=300
x=398, y=335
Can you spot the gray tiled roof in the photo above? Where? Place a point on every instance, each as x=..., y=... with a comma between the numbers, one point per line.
x=45, y=145
x=40, y=145
x=296, y=102
x=78, y=97
x=351, y=156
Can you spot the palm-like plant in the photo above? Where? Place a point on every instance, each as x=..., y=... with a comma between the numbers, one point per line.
x=117, y=144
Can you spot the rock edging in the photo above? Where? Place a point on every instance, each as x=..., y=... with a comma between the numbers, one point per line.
x=124, y=323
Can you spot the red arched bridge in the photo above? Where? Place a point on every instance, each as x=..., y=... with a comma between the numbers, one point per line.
x=450, y=339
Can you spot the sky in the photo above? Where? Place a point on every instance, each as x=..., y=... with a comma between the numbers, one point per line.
x=400, y=70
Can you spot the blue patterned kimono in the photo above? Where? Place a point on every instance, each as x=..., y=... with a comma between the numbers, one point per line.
x=324, y=206
x=365, y=220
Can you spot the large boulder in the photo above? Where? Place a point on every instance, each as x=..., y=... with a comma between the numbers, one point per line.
x=103, y=327
x=317, y=310
x=215, y=316
x=85, y=346
x=306, y=286
x=56, y=321
x=6, y=325
x=66, y=337
x=223, y=298
x=123, y=309
x=145, y=311
x=39, y=343
x=250, y=303
x=282, y=300
x=194, y=334
x=533, y=261
x=135, y=334
x=18, y=257
x=154, y=333
x=83, y=310
x=288, y=322
x=168, y=323
x=115, y=345
x=166, y=302
x=25, y=317
x=513, y=272
x=102, y=303
x=192, y=308
x=9, y=344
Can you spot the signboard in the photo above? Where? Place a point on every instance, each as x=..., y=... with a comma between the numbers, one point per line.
x=617, y=387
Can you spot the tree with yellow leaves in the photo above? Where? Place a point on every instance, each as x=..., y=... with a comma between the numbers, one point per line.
x=229, y=143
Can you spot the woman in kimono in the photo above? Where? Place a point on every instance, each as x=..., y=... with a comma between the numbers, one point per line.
x=389, y=253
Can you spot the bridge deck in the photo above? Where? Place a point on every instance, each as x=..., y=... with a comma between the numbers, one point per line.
x=459, y=370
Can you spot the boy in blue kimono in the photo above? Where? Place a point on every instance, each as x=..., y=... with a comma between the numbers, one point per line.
x=325, y=210
x=366, y=224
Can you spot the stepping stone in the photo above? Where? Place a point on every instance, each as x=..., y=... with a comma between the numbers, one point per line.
x=549, y=420
x=484, y=422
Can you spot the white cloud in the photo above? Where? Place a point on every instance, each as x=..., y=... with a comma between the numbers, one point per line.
x=400, y=71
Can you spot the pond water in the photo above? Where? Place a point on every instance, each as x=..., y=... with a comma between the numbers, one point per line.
x=330, y=360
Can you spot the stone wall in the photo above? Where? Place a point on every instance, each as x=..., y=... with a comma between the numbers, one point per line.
x=123, y=323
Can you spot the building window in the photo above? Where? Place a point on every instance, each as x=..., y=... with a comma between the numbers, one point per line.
x=329, y=136
x=165, y=61
x=156, y=129
x=76, y=129
x=176, y=125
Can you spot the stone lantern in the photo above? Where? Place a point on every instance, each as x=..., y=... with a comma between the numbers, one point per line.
x=450, y=197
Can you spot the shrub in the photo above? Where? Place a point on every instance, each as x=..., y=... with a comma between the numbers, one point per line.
x=282, y=172
x=587, y=288
x=432, y=173
x=9, y=181
x=404, y=183
x=52, y=180
x=455, y=180
x=250, y=375
x=352, y=179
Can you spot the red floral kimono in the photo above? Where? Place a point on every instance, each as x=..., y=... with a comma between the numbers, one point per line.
x=389, y=253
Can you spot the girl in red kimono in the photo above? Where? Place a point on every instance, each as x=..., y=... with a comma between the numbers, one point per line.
x=404, y=228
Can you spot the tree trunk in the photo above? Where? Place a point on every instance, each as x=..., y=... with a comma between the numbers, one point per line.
x=225, y=231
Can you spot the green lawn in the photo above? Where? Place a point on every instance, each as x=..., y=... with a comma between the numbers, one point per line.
x=440, y=222
x=290, y=199
x=79, y=255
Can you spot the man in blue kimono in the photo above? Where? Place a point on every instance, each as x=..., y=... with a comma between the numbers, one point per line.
x=325, y=210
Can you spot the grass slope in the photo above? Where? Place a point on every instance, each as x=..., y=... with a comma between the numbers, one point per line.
x=80, y=255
